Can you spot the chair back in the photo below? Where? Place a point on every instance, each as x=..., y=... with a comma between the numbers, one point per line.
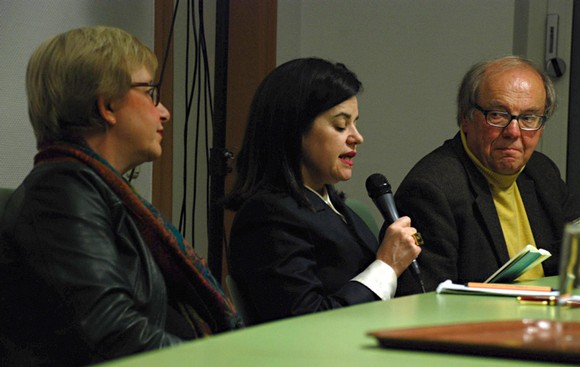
x=239, y=300
x=365, y=213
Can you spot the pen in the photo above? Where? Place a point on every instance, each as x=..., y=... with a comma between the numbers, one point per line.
x=514, y=287
x=539, y=300
x=547, y=301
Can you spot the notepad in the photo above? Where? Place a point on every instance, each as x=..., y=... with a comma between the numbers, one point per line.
x=501, y=290
x=523, y=261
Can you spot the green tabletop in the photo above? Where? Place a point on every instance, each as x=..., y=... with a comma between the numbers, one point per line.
x=339, y=337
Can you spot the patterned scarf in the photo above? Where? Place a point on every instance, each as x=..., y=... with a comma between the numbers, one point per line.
x=192, y=288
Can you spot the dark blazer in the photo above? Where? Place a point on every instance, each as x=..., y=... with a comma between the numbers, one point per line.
x=449, y=202
x=289, y=260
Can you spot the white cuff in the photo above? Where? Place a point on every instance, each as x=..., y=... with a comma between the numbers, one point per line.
x=379, y=278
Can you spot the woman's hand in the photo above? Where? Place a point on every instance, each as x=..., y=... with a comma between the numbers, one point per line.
x=399, y=247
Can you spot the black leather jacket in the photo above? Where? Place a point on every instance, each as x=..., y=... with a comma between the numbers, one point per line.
x=78, y=285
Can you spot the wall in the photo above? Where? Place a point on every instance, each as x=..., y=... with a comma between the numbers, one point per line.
x=411, y=56
x=24, y=24
x=553, y=142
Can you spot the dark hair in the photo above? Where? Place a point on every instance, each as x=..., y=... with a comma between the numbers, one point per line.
x=282, y=112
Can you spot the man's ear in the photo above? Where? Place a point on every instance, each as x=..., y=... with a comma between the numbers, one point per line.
x=106, y=111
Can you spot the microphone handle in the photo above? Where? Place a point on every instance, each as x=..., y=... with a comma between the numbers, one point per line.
x=387, y=207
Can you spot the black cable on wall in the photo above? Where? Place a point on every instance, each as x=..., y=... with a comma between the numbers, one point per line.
x=199, y=113
x=198, y=110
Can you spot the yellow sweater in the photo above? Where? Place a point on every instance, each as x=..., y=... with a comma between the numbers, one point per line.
x=510, y=209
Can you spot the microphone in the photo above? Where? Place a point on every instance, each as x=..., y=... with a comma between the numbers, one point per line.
x=379, y=190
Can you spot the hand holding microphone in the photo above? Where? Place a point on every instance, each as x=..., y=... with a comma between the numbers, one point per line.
x=379, y=190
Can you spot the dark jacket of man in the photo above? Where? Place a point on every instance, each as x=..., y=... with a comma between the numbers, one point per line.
x=449, y=202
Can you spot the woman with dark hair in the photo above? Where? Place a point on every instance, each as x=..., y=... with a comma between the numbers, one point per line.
x=296, y=248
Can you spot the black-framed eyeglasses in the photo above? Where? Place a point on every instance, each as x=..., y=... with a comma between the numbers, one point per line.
x=502, y=119
x=153, y=91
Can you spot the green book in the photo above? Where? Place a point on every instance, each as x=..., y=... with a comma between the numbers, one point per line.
x=523, y=261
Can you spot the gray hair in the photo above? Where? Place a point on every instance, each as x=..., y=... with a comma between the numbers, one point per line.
x=469, y=88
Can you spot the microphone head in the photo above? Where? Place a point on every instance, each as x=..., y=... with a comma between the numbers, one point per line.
x=377, y=185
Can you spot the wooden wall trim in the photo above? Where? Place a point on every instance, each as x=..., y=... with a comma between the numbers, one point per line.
x=251, y=56
x=162, y=185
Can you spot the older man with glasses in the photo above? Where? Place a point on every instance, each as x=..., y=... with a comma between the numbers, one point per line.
x=485, y=194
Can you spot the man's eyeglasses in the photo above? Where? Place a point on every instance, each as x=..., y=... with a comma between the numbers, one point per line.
x=502, y=119
x=153, y=91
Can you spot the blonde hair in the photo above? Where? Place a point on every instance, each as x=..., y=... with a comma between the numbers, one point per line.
x=67, y=73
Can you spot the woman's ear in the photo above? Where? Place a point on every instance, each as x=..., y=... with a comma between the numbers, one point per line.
x=106, y=111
